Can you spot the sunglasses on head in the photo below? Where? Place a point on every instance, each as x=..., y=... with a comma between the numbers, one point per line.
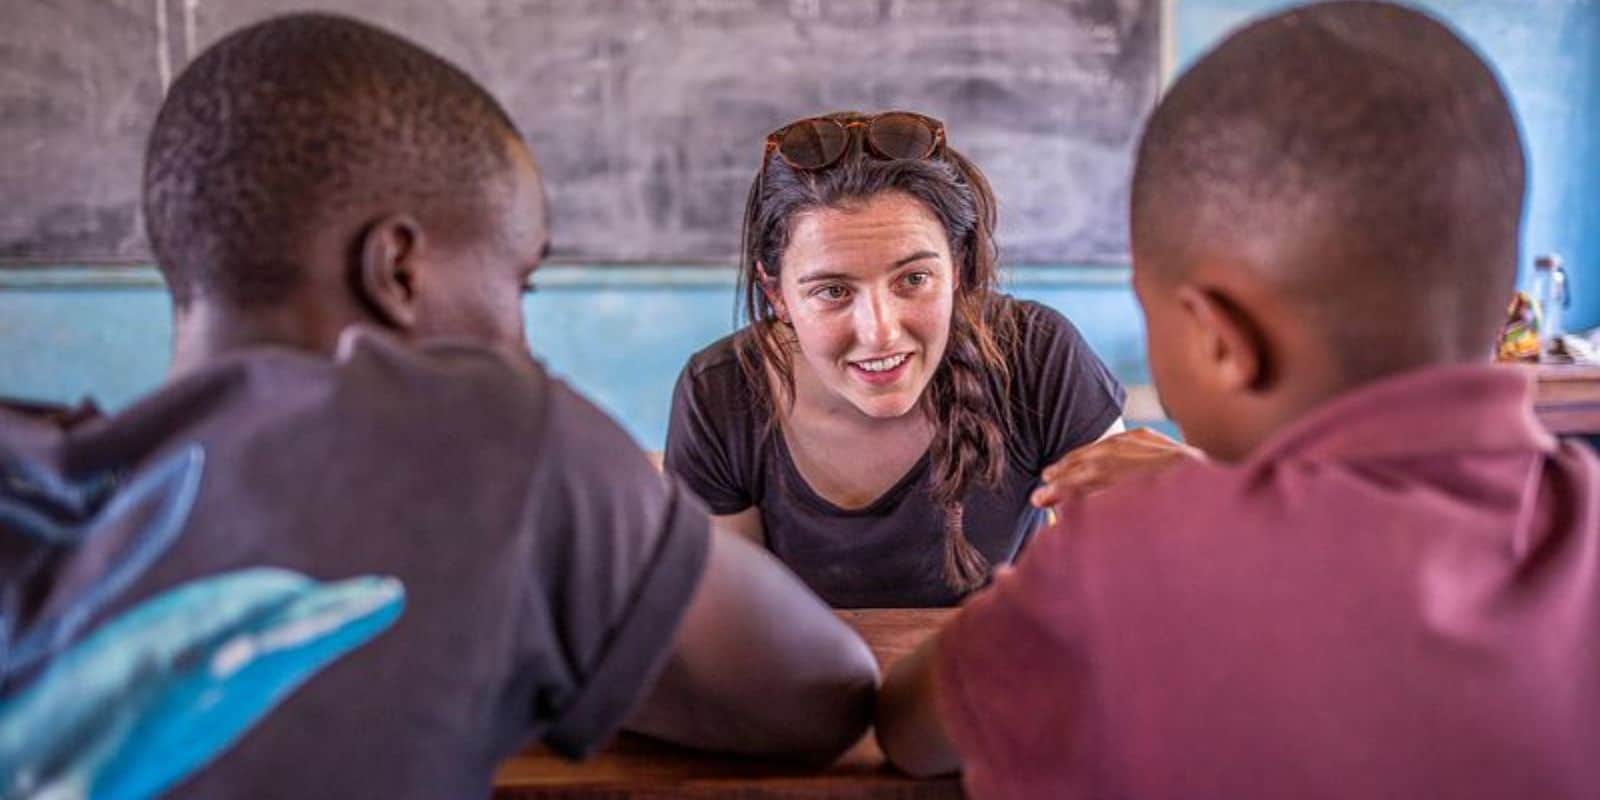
x=818, y=142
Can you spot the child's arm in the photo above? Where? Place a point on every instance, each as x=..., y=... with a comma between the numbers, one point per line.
x=910, y=730
x=760, y=665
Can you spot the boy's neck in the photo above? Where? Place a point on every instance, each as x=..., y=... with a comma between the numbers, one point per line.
x=204, y=331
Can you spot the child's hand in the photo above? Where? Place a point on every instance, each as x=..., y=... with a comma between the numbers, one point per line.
x=1108, y=462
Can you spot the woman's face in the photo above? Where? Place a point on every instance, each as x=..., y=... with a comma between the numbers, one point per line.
x=869, y=290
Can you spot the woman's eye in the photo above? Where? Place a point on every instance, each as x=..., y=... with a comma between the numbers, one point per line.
x=832, y=292
x=918, y=279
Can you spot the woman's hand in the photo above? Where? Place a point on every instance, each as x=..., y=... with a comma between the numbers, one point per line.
x=1110, y=461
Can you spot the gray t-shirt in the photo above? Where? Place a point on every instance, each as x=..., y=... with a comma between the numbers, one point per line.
x=546, y=563
x=890, y=553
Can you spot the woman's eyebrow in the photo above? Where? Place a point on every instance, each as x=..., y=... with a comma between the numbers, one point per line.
x=829, y=275
x=824, y=275
x=917, y=256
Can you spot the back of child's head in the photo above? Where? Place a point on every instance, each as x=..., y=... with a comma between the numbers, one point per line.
x=1355, y=162
x=281, y=123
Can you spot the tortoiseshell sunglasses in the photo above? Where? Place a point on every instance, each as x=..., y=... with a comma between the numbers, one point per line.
x=817, y=142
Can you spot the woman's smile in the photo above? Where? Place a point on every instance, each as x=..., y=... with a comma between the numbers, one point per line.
x=868, y=290
x=881, y=371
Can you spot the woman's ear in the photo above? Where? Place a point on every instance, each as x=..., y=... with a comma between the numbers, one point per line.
x=385, y=272
x=1229, y=346
x=773, y=293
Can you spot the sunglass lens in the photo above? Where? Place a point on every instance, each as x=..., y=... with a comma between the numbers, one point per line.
x=901, y=136
x=813, y=144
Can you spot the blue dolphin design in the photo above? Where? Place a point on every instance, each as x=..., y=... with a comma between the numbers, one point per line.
x=166, y=492
x=161, y=690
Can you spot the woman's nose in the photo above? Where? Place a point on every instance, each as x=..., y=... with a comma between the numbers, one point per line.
x=877, y=322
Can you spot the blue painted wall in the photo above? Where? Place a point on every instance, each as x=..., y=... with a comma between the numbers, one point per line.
x=621, y=333
x=624, y=345
x=65, y=344
x=1548, y=56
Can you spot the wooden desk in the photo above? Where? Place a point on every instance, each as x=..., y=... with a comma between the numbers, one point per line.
x=634, y=766
x=1568, y=399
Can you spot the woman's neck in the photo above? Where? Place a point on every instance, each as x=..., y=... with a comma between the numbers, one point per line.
x=848, y=458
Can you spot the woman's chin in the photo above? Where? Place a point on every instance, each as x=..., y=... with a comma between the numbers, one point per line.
x=888, y=406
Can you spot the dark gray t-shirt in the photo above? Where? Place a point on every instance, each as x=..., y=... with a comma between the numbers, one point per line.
x=890, y=553
x=546, y=563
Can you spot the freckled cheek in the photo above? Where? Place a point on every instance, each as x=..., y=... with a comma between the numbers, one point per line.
x=928, y=326
x=824, y=337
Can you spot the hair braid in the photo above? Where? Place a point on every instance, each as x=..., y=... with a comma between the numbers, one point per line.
x=966, y=400
x=968, y=446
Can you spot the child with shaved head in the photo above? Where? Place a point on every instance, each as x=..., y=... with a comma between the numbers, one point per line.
x=1384, y=580
x=345, y=222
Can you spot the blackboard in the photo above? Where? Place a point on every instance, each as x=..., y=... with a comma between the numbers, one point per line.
x=647, y=116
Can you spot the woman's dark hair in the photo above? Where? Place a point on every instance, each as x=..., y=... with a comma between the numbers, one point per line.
x=966, y=397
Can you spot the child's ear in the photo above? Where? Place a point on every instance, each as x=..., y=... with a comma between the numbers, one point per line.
x=769, y=287
x=1230, y=346
x=384, y=275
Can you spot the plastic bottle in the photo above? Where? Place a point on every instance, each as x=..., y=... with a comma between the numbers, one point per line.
x=1551, y=291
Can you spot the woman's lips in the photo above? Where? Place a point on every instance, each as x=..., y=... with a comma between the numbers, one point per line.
x=881, y=371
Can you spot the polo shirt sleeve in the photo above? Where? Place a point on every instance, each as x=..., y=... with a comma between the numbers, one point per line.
x=1064, y=395
x=1011, y=680
x=701, y=448
x=619, y=549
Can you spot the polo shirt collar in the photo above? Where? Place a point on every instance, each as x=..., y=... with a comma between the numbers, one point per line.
x=1444, y=409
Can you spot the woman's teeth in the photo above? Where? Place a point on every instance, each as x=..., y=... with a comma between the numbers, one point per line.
x=881, y=364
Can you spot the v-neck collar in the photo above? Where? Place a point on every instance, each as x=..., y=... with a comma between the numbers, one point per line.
x=808, y=495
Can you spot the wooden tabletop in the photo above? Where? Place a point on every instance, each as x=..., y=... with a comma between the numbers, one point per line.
x=634, y=766
x=1568, y=398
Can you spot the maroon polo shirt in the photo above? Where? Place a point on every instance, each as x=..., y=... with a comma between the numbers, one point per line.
x=1396, y=596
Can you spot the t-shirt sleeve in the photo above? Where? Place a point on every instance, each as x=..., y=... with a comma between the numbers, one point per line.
x=1066, y=397
x=700, y=445
x=620, y=549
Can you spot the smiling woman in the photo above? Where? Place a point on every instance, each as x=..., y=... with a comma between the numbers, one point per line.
x=881, y=420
